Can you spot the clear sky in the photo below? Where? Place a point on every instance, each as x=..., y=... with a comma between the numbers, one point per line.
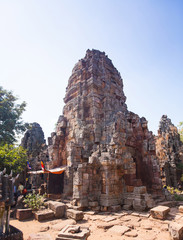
x=42, y=40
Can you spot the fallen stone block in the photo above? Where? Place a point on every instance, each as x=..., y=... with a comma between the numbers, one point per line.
x=109, y=219
x=127, y=207
x=140, y=190
x=74, y=214
x=169, y=203
x=119, y=230
x=105, y=225
x=160, y=212
x=139, y=204
x=149, y=201
x=95, y=209
x=22, y=214
x=145, y=215
x=39, y=236
x=89, y=212
x=44, y=215
x=181, y=209
x=176, y=231
x=58, y=208
x=44, y=228
x=115, y=208
x=132, y=234
x=93, y=204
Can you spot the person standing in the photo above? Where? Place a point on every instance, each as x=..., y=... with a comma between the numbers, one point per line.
x=20, y=188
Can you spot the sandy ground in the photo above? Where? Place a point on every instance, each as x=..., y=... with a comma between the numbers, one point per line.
x=140, y=226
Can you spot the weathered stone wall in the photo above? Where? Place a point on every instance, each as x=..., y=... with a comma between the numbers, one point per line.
x=35, y=144
x=107, y=149
x=169, y=152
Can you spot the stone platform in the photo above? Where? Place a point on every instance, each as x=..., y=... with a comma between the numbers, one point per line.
x=73, y=232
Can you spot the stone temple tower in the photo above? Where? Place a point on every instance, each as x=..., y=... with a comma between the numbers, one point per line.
x=108, y=151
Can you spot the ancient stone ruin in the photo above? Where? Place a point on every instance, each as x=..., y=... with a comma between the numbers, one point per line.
x=108, y=151
x=169, y=152
x=35, y=144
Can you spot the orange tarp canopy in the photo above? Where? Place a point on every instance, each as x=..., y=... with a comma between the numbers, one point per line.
x=53, y=171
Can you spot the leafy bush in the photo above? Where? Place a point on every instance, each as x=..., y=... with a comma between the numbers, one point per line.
x=34, y=201
x=177, y=194
x=178, y=197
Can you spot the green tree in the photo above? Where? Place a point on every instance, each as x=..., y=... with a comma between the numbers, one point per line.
x=12, y=158
x=180, y=129
x=10, y=117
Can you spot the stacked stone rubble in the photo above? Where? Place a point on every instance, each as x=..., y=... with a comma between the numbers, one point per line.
x=169, y=152
x=108, y=150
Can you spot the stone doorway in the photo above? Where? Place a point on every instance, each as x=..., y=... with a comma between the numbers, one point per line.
x=55, y=183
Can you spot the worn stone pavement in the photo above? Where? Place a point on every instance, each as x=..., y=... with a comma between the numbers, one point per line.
x=124, y=225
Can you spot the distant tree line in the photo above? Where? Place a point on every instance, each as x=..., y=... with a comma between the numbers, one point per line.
x=180, y=129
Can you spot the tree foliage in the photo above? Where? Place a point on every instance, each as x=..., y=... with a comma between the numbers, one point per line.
x=180, y=129
x=10, y=117
x=12, y=158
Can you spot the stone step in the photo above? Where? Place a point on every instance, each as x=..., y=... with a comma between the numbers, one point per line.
x=22, y=214
x=44, y=215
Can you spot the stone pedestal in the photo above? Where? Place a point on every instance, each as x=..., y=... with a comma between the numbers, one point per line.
x=73, y=232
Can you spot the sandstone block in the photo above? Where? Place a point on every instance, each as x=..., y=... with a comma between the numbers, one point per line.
x=149, y=201
x=176, y=231
x=140, y=190
x=58, y=208
x=23, y=214
x=105, y=225
x=74, y=214
x=132, y=234
x=93, y=204
x=44, y=215
x=160, y=212
x=96, y=209
x=129, y=188
x=119, y=230
x=181, y=209
x=39, y=236
x=127, y=207
x=139, y=204
x=109, y=219
x=115, y=208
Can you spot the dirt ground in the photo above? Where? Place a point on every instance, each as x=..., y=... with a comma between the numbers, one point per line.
x=137, y=226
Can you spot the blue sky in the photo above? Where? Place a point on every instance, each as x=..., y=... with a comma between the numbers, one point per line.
x=42, y=40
